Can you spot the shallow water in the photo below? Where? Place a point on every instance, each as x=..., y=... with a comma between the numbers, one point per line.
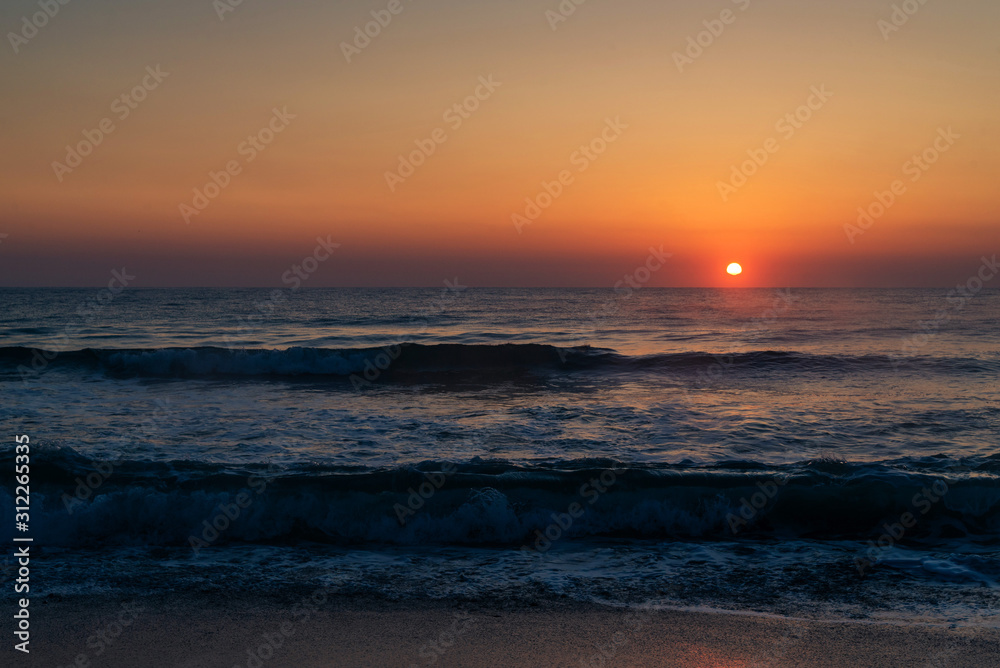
x=730, y=448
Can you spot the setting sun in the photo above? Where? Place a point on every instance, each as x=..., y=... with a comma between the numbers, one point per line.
x=734, y=269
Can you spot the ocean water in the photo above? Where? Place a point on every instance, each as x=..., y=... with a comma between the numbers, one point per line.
x=818, y=453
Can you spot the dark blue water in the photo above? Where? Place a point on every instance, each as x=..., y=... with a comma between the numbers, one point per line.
x=830, y=453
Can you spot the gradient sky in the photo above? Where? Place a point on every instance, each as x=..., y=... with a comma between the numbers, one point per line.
x=657, y=184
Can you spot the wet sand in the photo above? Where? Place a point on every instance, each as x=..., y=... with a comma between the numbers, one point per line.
x=302, y=631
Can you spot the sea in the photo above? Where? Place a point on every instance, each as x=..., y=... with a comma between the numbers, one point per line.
x=810, y=453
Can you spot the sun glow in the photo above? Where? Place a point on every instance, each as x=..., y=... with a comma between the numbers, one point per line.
x=734, y=269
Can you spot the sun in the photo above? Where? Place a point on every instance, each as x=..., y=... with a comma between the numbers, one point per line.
x=734, y=269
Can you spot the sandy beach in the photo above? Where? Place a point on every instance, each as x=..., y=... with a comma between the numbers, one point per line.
x=228, y=631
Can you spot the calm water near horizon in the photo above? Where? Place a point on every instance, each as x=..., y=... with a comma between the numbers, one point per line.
x=824, y=453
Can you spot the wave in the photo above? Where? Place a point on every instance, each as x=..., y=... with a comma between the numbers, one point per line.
x=78, y=502
x=406, y=359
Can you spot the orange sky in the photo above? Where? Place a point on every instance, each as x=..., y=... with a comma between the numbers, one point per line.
x=656, y=183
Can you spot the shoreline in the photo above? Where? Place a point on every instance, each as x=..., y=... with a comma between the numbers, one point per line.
x=310, y=629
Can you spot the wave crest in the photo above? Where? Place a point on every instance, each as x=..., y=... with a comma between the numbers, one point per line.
x=461, y=359
x=501, y=503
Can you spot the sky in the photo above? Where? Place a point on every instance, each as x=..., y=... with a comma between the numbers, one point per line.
x=201, y=143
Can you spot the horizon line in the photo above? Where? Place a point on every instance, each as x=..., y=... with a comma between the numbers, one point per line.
x=479, y=287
